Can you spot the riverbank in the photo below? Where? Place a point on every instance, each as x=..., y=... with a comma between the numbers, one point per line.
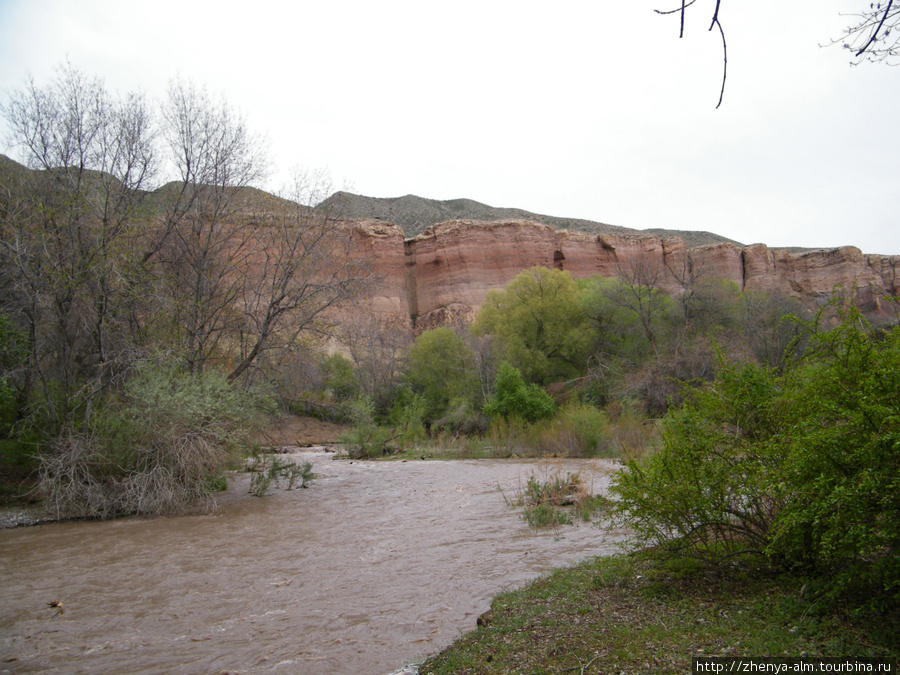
x=634, y=614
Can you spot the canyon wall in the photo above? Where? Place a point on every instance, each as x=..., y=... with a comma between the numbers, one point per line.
x=444, y=274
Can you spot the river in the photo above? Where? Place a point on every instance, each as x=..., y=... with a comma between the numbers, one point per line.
x=375, y=566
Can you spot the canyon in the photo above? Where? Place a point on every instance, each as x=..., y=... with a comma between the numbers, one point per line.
x=443, y=274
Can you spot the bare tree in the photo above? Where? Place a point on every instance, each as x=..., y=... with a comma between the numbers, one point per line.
x=65, y=242
x=377, y=351
x=871, y=37
x=100, y=269
x=301, y=266
x=202, y=240
x=641, y=293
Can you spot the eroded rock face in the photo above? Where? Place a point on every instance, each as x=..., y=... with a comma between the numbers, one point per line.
x=442, y=276
x=380, y=245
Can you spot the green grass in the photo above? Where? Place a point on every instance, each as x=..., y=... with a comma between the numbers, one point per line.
x=635, y=614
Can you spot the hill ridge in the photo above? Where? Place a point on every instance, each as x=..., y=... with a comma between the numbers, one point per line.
x=413, y=214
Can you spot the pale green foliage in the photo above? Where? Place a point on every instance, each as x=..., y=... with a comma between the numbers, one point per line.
x=366, y=439
x=618, y=330
x=340, y=377
x=408, y=416
x=539, y=324
x=577, y=430
x=166, y=401
x=158, y=448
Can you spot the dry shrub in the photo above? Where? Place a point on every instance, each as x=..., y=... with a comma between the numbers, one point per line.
x=80, y=480
x=160, y=447
x=631, y=434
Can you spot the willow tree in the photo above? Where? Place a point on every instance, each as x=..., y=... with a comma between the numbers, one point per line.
x=538, y=324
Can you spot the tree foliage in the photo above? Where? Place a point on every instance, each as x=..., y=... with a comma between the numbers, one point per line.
x=800, y=466
x=101, y=265
x=539, y=324
x=441, y=367
x=514, y=398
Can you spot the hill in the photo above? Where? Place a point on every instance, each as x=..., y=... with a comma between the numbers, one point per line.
x=413, y=214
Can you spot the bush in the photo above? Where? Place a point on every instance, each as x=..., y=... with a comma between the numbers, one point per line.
x=269, y=468
x=514, y=398
x=408, y=414
x=554, y=501
x=367, y=439
x=578, y=430
x=801, y=467
x=340, y=377
x=160, y=446
x=440, y=367
x=710, y=489
x=841, y=517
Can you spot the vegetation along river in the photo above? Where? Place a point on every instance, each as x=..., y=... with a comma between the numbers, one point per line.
x=375, y=566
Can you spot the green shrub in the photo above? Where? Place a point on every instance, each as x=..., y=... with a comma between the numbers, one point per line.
x=407, y=416
x=513, y=398
x=269, y=468
x=340, y=377
x=440, y=367
x=803, y=466
x=578, y=430
x=367, y=439
x=841, y=517
x=709, y=488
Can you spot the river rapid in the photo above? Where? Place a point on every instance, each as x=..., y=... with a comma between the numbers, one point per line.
x=375, y=566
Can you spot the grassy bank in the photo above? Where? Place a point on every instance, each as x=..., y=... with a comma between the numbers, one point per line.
x=634, y=614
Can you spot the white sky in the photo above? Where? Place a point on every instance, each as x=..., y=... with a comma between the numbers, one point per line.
x=590, y=109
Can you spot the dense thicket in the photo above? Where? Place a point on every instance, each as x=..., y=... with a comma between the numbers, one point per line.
x=622, y=346
x=102, y=271
x=799, y=465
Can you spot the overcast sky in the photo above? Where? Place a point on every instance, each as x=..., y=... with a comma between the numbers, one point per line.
x=590, y=109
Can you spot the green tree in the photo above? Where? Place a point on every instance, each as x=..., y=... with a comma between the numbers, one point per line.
x=340, y=377
x=539, y=324
x=616, y=329
x=514, y=398
x=441, y=367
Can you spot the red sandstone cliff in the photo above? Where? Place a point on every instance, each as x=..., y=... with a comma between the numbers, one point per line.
x=444, y=273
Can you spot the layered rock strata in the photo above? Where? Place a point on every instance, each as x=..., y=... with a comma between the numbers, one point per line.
x=442, y=276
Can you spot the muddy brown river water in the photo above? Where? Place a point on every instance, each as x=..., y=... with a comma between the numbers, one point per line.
x=375, y=566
